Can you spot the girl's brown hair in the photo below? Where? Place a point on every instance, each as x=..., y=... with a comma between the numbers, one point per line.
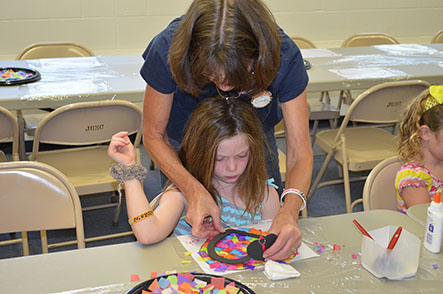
x=239, y=38
x=409, y=145
x=212, y=121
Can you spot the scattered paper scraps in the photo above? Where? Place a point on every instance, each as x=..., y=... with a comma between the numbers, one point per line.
x=194, y=244
x=134, y=278
x=187, y=283
x=233, y=247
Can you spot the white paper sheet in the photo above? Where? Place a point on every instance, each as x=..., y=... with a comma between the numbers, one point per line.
x=358, y=73
x=406, y=49
x=318, y=53
x=193, y=244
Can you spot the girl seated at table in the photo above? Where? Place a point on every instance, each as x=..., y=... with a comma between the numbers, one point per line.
x=223, y=147
x=420, y=146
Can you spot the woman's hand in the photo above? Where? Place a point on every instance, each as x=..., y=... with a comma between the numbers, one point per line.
x=288, y=235
x=121, y=149
x=204, y=216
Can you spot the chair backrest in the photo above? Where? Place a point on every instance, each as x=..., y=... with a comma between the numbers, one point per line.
x=53, y=50
x=379, y=189
x=383, y=103
x=369, y=39
x=302, y=42
x=9, y=131
x=35, y=196
x=438, y=38
x=88, y=123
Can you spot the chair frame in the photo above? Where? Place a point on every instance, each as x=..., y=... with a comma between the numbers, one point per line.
x=438, y=37
x=381, y=181
x=52, y=180
x=370, y=39
x=12, y=131
x=338, y=148
x=45, y=134
x=77, y=50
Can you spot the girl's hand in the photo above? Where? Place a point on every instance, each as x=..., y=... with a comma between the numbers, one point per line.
x=121, y=149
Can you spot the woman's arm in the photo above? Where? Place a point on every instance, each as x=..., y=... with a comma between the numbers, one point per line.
x=298, y=175
x=156, y=111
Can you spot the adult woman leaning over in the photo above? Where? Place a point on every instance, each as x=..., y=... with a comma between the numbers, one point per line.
x=230, y=48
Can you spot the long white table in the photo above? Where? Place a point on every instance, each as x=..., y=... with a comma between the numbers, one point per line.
x=359, y=68
x=108, y=269
x=68, y=80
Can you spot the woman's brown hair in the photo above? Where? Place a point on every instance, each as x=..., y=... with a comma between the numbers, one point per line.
x=409, y=145
x=214, y=120
x=239, y=38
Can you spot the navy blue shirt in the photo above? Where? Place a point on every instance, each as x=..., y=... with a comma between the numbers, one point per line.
x=290, y=81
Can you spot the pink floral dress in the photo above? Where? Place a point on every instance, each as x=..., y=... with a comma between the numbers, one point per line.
x=415, y=175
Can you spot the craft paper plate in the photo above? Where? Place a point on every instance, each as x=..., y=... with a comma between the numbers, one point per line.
x=201, y=276
x=11, y=76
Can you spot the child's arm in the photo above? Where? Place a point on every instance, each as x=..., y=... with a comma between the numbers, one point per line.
x=159, y=225
x=271, y=204
x=415, y=195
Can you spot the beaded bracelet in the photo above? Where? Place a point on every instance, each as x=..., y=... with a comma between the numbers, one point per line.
x=140, y=217
x=294, y=191
x=122, y=172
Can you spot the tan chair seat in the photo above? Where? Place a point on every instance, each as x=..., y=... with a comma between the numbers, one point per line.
x=365, y=146
x=84, y=167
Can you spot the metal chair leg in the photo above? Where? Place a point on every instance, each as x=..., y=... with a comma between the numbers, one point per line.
x=118, y=208
x=319, y=176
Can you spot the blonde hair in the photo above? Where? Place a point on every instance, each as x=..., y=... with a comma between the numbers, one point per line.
x=409, y=145
x=237, y=37
x=214, y=120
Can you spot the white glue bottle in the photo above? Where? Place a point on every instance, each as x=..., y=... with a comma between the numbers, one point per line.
x=434, y=225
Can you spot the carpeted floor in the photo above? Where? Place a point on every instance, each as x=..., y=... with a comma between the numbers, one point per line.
x=326, y=201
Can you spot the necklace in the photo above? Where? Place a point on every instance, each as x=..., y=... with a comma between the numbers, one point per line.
x=227, y=97
x=259, y=100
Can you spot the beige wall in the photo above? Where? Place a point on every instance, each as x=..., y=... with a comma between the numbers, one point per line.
x=126, y=26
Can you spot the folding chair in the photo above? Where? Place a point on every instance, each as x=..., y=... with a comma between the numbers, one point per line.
x=379, y=189
x=9, y=132
x=87, y=128
x=438, y=38
x=368, y=39
x=38, y=197
x=47, y=50
x=54, y=49
x=360, y=40
x=359, y=149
